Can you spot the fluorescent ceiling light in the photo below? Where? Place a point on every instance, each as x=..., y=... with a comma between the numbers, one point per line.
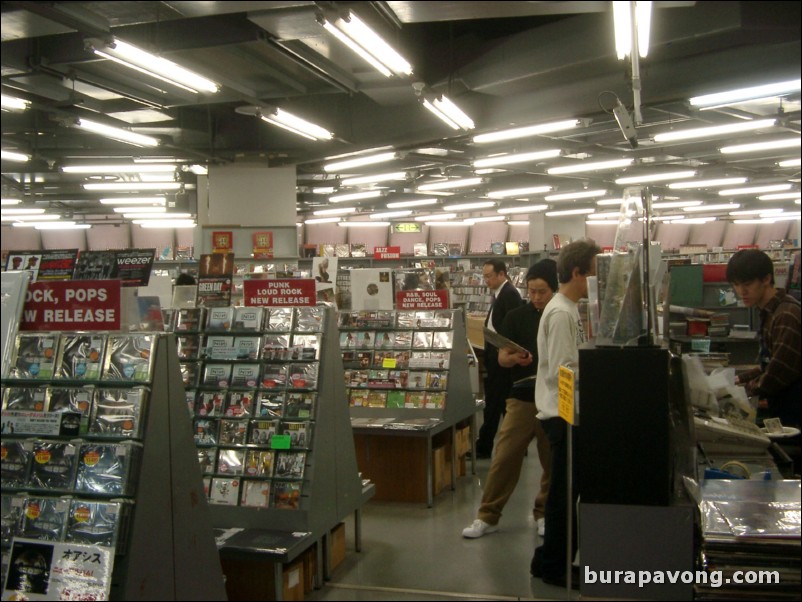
x=754, y=147
x=755, y=189
x=123, y=168
x=153, y=200
x=445, y=110
x=340, y=211
x=753, y=221
x=582, y=166
x=756, y=212
x=131, y=186
x=356, y=196
x=322, y=220
x=715, y=130
x=513, y=158
x=707, y=183
x=435, y=217
x=13, y=103
x=447, y=224
x=569, y=212
x=666, y=218
x=782, y=196
x=579, y=194
x=8, y=155
x=523, y=209
x=296, y=125
x=526, y=131
x=360, y=162
x=388, y=214
x=449, y=184
x=138, y=217
x=116, y=133
x=622, y=19
x=29, y=218
x=62, y=226
x=719, y=207
x=469, y=206
x=605, y=215
x=323, y=190
x=364, y=224
x=8, y=202
x=676, y=204
x=601, y=222
x=374, y=179
x=719, y=99
x=698, y=220
x=609, y=202
x=790, y=163
x=150, y=64
x=518, y=222
x=655, y=177
x=132, y=210
x=166, y=223
x=491, y=218
x=354, y=33
x=518, y=192
x=199, y=170
x=418, y=203
x=23, y=211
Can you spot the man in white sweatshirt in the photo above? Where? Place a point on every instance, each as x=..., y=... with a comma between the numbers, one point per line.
x=558, y=341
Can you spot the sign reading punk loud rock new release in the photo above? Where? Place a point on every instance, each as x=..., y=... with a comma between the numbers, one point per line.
x=72, y=305
x=278, y=293
x=437, y=299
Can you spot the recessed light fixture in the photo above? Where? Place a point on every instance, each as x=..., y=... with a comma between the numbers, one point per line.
x=518, y=192
x=707, y=183
x=356, y=196
x=579, y=194
x=435, y=217
x=523, y=209
x=514, y=158
x=418, y=203
x=450, y=184
x=582, y=166
x=655, y=177
x=526, y=131
x=470, y=206
x=754, y=189
x=360, y=162
x=755, y=147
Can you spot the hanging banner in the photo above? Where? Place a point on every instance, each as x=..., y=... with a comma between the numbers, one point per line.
x=45, y=265
x=215, y=275
x=131, y=266
x=72, y=305
x=280, y=293
x=222, y=242
x=417, y=299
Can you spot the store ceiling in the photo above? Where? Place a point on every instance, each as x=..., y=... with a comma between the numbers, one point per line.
x=505, y=64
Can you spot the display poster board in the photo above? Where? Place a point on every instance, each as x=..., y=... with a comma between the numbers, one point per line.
x=222, y=242
x=131, y=267
x=13, y=287
x=324, y=271
x=371, y=289
x=49, y=570
x=56, y=264
x=72, y=305
x=215, y=275
x=279, y=292
x=262, y=245
x=418, y=299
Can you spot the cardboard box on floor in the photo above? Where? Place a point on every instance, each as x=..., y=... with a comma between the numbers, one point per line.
x=253, y=579
x=337, y=546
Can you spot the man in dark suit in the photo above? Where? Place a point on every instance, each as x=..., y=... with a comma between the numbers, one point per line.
x=498, y=380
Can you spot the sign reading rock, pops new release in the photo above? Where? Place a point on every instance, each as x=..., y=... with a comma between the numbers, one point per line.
x=72, y=305
x=437, y=299
x=280, y=293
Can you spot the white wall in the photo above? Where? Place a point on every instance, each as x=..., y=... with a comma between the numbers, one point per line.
x=64, y=239
x=249, y=194
x=484, y=234
x=20, y=239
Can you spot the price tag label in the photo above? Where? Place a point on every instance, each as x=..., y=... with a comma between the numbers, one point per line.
x=280, y=442
x=566, y=394
x=389, y=362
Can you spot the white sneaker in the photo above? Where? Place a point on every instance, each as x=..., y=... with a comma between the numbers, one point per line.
x=478, y=528
x=541, y=526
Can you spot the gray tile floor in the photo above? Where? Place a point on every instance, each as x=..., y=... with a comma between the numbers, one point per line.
x=411, y=552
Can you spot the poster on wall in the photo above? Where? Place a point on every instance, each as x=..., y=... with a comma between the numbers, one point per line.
x=324, y=271
x=371, y=289
x=222, y=242
x=45, y=570
x=262, y=245
x=57, y=264
x=131, y=266
x=215, y=275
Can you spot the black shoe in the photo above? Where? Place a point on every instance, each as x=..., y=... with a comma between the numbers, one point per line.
x=561, y=581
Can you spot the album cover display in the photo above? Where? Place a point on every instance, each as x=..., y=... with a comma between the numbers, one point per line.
x=230, y=461
x=233, y=432
x=189, y=319
x=290, y=464
x=224, y=491
x=303, y=375
x=217, y=374
x=206, y=431
x=262, y=432
x=15, y=462
x=239, y=404
x=275, y=347
x=190, y=373
x=287, y=494
x=118, y=412
x=211, y=404
x=245, y=375
x=219, y=347
x=207, y=457
x=105, y=468
x=81, y=356
x=300, y=405
x=27, y=399
x=274, y=376
x=35, y=356
x=219, y=318
x=247, y=348
x=256, y=493
x=129, y=357
x=53, y=465
x=305, y=347
x=270, y=405
x=93, y=522
x=279, y=319
x=44, y=518
x=300, y=433
x=259, y=463
x=309, y=319
x=248, y=318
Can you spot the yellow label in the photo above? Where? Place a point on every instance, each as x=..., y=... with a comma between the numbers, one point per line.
x=389, y=362
x=565, y=395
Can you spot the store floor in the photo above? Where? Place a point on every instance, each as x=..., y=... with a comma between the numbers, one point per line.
x=411, y=552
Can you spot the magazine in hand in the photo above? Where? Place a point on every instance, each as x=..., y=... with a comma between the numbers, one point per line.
x=502, y=342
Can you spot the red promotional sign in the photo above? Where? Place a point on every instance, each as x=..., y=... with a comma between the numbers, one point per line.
x=72, y=305
x=437, y=299
x=280, y=293
x=386, y=252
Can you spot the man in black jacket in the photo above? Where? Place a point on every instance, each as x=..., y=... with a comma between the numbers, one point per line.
x=498, y=380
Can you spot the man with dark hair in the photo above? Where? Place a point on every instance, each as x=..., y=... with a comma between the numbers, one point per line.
x=558, y=342
x=519, y=426
x=498, y=381
x=777, y=379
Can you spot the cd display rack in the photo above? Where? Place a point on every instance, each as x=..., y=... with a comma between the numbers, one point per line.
x=97, y=451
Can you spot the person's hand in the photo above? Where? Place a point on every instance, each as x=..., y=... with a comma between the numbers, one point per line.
x=523, y=359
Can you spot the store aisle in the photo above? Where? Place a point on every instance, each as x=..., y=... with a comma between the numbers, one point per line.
x=410, y=552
